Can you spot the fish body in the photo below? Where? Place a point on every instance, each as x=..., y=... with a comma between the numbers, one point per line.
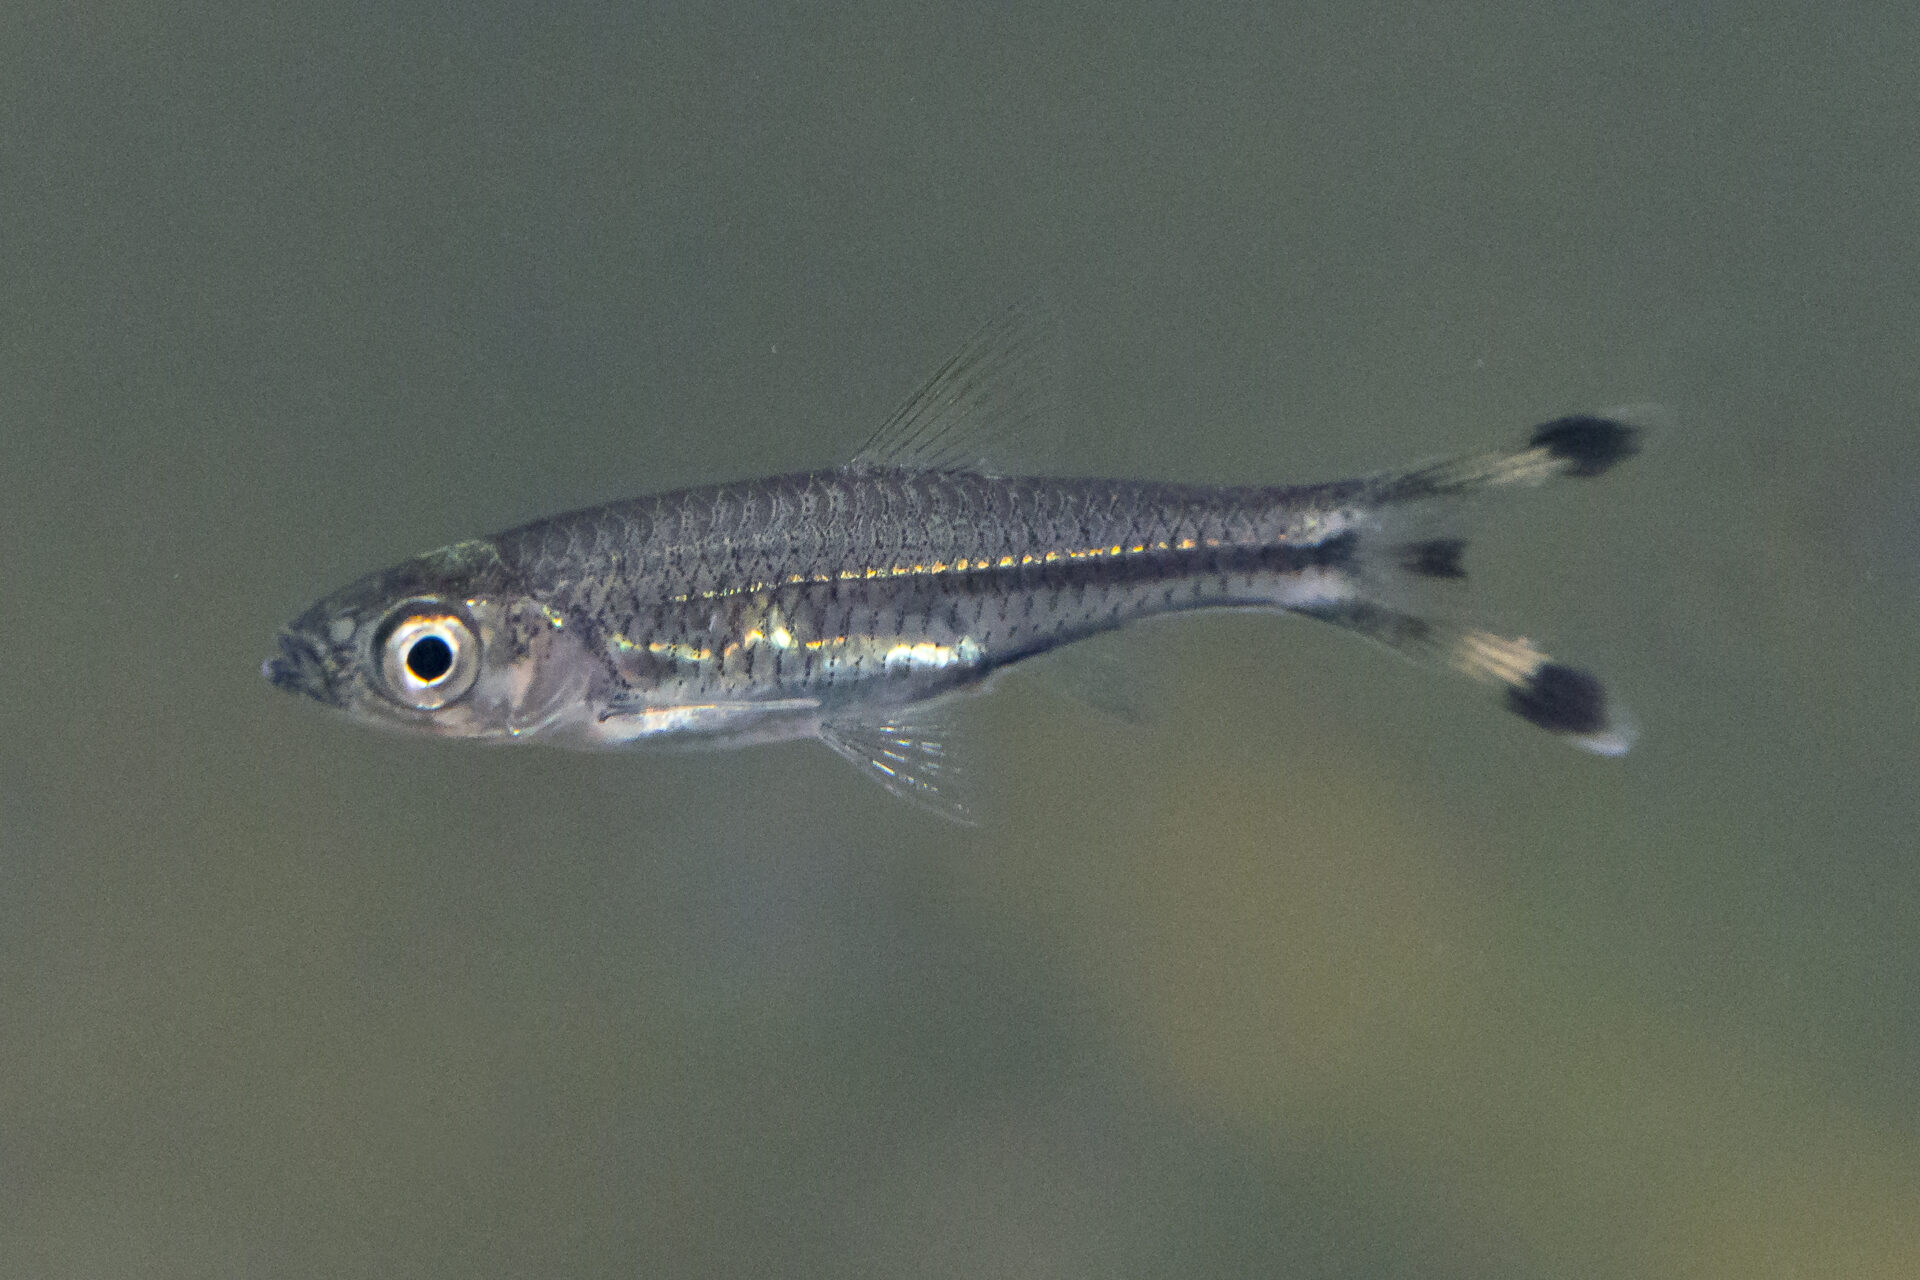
x=849, y=604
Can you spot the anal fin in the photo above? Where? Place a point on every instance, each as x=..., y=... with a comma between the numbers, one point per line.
x=1101, y=673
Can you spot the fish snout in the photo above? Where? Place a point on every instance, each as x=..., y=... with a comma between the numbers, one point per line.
x=297, y=668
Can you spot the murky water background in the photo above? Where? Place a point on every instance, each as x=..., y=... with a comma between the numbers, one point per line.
x=1329, y=969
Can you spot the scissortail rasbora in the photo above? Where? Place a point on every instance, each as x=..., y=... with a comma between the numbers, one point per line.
x=847, y=605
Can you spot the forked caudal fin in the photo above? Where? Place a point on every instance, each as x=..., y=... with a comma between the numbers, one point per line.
x=1561, y=699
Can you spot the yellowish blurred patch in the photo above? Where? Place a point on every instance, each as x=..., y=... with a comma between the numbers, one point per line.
x=1312, y=954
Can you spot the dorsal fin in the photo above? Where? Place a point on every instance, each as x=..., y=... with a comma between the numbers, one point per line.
x=994, y=394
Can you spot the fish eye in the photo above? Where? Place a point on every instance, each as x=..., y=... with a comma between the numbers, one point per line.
x=428, y=658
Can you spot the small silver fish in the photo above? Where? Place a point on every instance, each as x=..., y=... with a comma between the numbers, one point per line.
x=848, y=605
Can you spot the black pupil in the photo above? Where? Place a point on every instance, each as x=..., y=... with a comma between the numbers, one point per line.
x=429, y=659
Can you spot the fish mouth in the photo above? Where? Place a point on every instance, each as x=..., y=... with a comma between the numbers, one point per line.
x=298, y=668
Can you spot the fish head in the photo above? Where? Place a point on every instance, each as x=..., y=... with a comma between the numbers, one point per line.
x=442, y=645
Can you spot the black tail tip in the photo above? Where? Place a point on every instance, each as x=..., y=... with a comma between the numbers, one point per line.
x=1587, y=444
x=1568, y=701
x=1435, y=558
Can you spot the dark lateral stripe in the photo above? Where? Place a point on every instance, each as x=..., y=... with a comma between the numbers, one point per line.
x=1060, y=567
x=1174, y=564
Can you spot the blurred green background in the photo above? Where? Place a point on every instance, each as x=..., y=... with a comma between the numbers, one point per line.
x=1329, y=969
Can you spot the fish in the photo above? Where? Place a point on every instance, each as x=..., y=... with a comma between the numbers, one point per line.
x=854, y=605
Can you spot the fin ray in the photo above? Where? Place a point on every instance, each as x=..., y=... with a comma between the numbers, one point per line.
x=914, y=762
x=995, y=393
